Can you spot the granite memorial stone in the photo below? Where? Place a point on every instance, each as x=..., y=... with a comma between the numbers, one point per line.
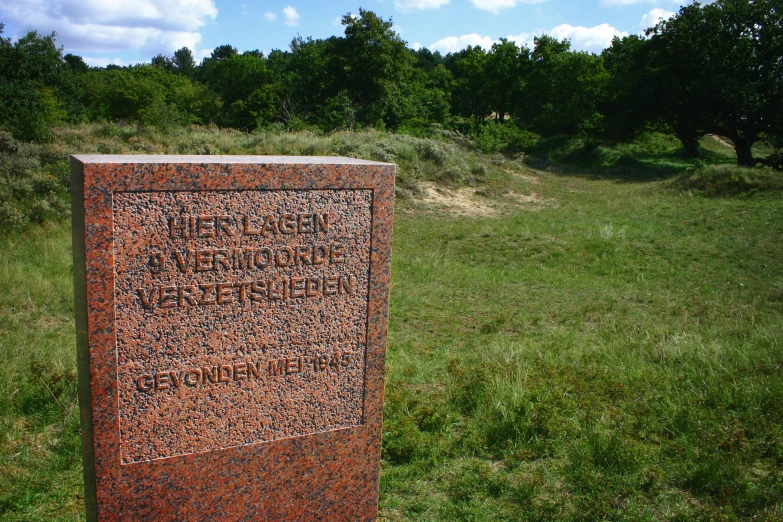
x=231, y=325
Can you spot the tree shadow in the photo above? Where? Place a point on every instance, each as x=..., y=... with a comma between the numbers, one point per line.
x=601, y=161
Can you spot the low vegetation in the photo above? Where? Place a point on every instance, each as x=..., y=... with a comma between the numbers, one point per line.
x=578, y=330
x=34, y=178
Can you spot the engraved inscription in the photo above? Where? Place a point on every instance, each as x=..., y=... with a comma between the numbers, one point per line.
x=242, y=370
x=185, y=226
x=227, y=292
x=241, y=316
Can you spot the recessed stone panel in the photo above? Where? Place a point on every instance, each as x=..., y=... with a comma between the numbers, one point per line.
x=231, y=321
x=241, y=316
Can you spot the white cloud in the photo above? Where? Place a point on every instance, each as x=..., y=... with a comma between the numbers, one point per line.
x=416, y=46
x=452, y=44
x=269, y=15
x=494, y=6
x=627, y=2
x=153, y=26
x=635, y=2
x=406, y=6
x=655, y=16
x=593, y=39
x=522, y=39
x=103, y=62
x=291, y=16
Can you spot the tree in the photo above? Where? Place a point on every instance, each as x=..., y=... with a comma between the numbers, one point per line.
x=630, y=102
x=223, y=52
x=184, y=63
x=721, y=71
x=149, y=95
x=125, y=94
x=504, y=72
x=76, y=63
x=220, y=53
x=313, y=74
x=244, y=83
x=374, y=57
x=470, y=91
x=415, y=102
x=35, y=85
x=564, y=90
x=426, y=60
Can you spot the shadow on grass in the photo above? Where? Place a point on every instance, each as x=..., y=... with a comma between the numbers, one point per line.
x=649, y=159
x=729, y=181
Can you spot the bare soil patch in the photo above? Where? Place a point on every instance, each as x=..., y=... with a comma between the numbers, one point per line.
x=469, y=202
x=721, y=140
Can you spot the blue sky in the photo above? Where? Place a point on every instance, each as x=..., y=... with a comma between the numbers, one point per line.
x=131, y=31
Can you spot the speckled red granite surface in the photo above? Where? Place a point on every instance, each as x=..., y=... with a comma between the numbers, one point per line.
x=232, y=317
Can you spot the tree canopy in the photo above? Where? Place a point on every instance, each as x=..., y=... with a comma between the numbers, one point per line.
x=713, y=68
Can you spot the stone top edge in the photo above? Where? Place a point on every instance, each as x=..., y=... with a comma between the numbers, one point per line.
x=220, y=159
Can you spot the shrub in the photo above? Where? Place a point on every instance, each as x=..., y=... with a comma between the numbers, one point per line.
x=28, y=192
x=495, y=137
x=33, y=111
x=429, y=150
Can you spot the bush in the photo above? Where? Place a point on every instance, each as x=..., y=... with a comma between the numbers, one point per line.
x=32, y=112
x=495, y=137
x=429, y=150
x=28, y=192
x=774, y=160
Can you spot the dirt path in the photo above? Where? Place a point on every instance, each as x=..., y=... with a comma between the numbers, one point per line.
x=720, y=140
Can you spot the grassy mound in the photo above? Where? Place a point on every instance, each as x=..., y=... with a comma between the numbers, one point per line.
x=34, y=178
x=728, y=180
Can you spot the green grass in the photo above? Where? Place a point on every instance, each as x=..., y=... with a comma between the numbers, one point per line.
x=613, y=353
x=614, y=356
x=40, y=475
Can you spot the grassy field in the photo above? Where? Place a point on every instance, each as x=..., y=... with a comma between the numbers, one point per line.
x=596, y=338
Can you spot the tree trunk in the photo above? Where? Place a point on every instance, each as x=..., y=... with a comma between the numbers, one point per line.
x=690, y=143
x=743, y=147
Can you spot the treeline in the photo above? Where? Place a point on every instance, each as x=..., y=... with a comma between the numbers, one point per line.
x=716, y=69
